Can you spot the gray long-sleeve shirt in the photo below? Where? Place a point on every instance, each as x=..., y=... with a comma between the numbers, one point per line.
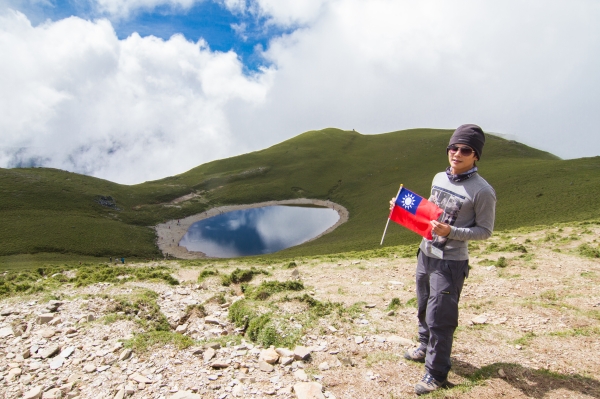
x=469, y=208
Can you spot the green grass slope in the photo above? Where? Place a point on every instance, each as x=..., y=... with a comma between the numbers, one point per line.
x=49, y=211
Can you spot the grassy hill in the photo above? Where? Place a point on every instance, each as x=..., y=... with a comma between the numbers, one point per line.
x=48, y=211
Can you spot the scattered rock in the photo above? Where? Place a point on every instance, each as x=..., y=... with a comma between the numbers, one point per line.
x=125, y=354
x=89, y=368
x=286, y=360
x=6, y=331
x=269, y=355
x=53, y=306
x=219, y=364
x=33, y=393
x=57, y=363
x=209, y=354
x=324, y=366
x=237, y=391
x=13, y=373
x=284, y=352
x=347, y=361
x=301, y=375
x=399, y=340
x=212, y=320
x=47, y=333
x=140, y=378
x=301, y=353
x=185, y=395
x=54, y=393
x=308, y=390
x=120, y=394
x=182, y=329
x=481, y=319
x=65, y=353
x=75, y=377
x=7, y=312
x=50, y=351
x=264, y=366
x=45, y=318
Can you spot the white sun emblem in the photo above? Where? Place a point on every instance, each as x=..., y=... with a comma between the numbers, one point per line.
x=408, y=201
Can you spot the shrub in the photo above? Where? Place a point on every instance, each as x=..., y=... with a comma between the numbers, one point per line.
x=588, y=251
x=494, y=247
x=318, y=308
x=256, y=325
x=241, y=276
x=240, y=313
x=207, y=273
x=268, y=288
x=502, y=262
x=412, y=302
x=394, y=304
x=144, y=341
x=143, y=308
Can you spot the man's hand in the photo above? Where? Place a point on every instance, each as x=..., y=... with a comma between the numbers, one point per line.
x=392, y=203
x=441, y=229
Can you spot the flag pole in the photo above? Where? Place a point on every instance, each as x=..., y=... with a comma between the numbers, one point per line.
x=388, y=221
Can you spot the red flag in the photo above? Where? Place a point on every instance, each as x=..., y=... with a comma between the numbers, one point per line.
x=415, y=212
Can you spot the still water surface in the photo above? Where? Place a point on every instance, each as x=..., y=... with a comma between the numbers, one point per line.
x=257, y=231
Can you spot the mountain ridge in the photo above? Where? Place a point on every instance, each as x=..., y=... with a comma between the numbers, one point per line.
x=52, y=211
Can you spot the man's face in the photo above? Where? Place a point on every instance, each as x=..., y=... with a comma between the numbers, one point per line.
x=459, y=162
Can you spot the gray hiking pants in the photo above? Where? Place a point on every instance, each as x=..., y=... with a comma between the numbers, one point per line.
x=439, y=284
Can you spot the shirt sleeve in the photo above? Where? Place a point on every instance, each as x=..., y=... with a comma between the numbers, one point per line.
x=485, y=214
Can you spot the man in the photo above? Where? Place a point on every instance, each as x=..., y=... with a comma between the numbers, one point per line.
x=469, y=205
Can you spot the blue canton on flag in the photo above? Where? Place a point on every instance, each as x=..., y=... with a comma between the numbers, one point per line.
x=408, y=200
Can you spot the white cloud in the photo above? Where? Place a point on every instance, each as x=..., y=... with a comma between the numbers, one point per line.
x=124, y=8
x=274, y=227
x=240, y=30
x=126, y=110
x=74, y=96
x=238, y=6
x=524, y=68
x=289, y=12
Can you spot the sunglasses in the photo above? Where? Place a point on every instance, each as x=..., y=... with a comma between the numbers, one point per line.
x=465, y=151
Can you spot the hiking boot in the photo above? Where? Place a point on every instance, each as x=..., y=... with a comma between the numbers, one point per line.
x=415, y=354
x=428, y=384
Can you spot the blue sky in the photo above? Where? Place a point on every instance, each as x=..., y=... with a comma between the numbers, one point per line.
x=88, y=95
x=207, y=19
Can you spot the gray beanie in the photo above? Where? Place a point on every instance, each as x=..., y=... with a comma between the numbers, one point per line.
x=471, y=135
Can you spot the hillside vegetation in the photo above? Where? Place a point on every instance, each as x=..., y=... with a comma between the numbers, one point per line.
x=49, y=211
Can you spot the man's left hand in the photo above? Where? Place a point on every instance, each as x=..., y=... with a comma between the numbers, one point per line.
x=440, y=229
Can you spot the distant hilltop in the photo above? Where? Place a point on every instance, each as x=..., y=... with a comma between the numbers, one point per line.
x=50, y=212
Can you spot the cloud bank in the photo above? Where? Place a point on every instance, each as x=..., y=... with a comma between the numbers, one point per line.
x=74, y=96
x=77, y=98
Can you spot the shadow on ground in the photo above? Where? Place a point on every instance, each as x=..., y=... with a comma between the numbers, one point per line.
x=533, y=383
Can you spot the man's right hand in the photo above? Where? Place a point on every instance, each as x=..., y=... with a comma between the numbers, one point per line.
x=392, y=203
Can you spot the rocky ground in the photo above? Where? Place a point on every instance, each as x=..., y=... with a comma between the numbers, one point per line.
x=529, y=328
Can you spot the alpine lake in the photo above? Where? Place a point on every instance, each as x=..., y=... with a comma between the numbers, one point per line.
x=258, y=231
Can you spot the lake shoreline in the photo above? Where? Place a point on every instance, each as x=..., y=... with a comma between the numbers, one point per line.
x=169, y=234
